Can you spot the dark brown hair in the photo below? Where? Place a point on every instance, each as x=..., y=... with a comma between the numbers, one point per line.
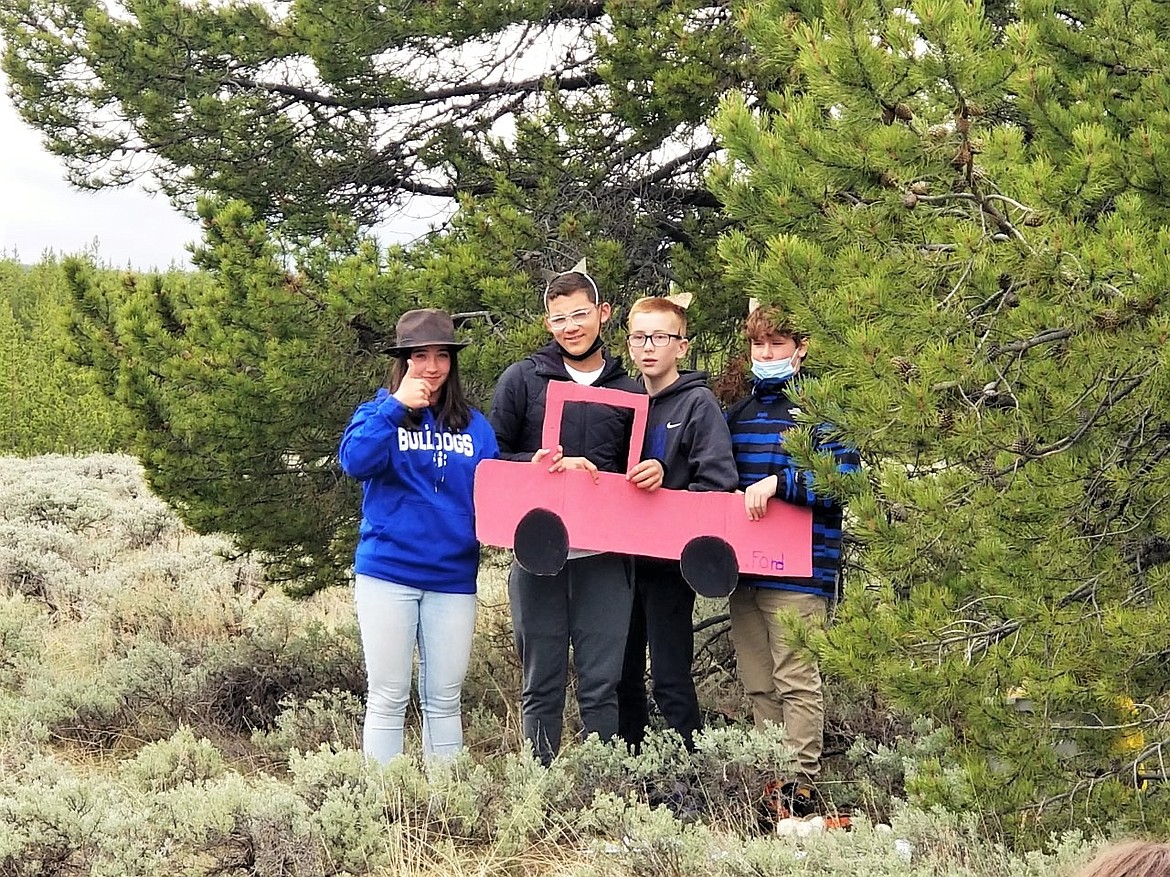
x=1134, y=858
x=452, y=410
x=568, y=283
x=732, y=383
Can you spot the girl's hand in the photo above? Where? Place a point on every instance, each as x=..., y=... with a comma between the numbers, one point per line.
x=413, y=392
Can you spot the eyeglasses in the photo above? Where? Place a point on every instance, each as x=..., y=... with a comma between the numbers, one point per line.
x=657, y=339
x=560, y=321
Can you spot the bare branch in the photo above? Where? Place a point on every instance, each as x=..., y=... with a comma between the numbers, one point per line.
x=1047, y=336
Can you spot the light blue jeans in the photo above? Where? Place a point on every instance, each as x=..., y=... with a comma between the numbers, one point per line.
x=393, y=618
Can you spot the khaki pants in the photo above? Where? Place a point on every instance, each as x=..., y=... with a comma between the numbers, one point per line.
x=784, y=685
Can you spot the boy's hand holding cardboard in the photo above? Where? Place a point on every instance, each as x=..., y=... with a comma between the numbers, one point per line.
x=755, y=498
x=647, y=475
x=544, y=452
x=561, y=463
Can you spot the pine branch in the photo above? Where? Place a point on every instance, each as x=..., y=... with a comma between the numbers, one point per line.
x=1047, y=336
x=470, y=89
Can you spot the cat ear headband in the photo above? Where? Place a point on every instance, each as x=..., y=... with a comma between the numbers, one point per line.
x=681, y=299
x=581, y=269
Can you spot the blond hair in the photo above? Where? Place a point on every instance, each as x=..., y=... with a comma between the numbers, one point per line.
x=653, y=304
x=1134, y=858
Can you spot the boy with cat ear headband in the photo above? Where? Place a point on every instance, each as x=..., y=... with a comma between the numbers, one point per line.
x=688, y=437
x=783, y=684
x=586, y=606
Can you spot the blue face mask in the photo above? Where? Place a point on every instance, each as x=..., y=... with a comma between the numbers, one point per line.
x=776, y=370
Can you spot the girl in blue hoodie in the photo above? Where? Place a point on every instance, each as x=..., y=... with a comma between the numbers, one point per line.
x=415, y=447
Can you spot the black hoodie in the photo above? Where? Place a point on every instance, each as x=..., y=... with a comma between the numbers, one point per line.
x=600, y=433
x=688, y=435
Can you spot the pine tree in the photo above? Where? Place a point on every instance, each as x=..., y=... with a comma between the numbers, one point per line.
x=592, y=114
x=322, y=120
x=239, y=379
x=972, y=222
x=47, y=405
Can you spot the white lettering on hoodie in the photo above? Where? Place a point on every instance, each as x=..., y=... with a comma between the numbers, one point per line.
x=426, y=440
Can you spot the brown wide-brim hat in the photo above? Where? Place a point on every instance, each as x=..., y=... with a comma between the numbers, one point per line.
x=422, y=328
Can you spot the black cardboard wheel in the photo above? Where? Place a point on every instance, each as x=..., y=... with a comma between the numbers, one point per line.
x=709, y=566
x=542, y=543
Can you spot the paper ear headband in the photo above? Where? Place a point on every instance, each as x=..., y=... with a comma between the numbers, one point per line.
x=681, y=299
x=753, y=304
x=579, y=268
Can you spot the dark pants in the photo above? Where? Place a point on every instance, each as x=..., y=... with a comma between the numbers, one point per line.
x=586, y=605
x=662, y=618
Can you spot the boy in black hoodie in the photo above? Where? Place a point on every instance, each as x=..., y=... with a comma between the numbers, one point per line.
x=688, y=435
x=587, y=604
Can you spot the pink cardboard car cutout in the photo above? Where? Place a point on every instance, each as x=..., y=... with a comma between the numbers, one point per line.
x=541, y=514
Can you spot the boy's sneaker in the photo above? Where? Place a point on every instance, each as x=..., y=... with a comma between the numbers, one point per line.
x=792, y=798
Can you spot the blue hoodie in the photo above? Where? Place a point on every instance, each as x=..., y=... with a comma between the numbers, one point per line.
x=418, y=518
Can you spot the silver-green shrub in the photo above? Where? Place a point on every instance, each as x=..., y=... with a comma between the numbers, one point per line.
x=53, y=822
x=215, y=730
x=332, y=718
x=171, y=763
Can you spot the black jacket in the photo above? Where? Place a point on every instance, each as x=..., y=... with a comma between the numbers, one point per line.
x=688, y=435
x=599, y=432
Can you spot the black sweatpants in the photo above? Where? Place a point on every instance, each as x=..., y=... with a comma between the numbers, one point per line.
x=585, y=605
x=662, y=618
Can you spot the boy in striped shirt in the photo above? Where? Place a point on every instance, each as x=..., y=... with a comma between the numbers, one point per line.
x=783, y=684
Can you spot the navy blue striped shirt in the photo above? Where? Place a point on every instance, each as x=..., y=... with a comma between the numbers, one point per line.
x=757, y=425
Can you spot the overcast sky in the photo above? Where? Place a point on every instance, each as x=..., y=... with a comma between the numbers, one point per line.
x=40, y=212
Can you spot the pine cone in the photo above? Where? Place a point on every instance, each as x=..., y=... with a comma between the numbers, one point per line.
x=938, y=132
x=904, y=367
x=887, y=115
x=903, y=112
x=920, y=187
x=909, y=200
x=1022, y=445
x=898, y=512
x=946, y=420
x=1109, y=319
x=988, y=469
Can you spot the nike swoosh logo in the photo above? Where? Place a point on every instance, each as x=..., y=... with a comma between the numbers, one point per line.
x=670, y=425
